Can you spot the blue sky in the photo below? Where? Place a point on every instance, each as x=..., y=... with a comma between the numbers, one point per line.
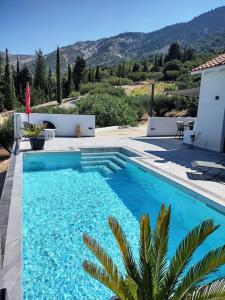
x=27, y=25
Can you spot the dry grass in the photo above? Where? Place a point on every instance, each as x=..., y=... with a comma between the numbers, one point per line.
x=144, y=88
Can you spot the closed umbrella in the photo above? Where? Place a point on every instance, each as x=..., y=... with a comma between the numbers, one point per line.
x=27, y=100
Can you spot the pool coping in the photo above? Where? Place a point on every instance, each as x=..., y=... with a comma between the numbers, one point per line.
x=12, y=262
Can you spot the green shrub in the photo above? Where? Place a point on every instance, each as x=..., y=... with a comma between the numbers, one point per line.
x=139, y=103
x=137, y=76
x=74, y=94
x=54, y=110
x=118, y=81
x=7, y=134
x=113, y=91
x=88, y=87
x=163, y=104
x=108, y=110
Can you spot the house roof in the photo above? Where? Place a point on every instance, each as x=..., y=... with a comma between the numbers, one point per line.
x=215, y=62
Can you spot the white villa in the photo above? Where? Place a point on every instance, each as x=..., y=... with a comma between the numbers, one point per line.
x=209, y=129
x=209, y=126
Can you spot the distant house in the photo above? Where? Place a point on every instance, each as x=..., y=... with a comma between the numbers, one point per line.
x=210, y=125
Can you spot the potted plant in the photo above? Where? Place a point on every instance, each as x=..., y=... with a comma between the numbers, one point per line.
x=34, y=134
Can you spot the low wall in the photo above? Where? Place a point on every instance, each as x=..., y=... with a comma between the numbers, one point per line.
x=164, y=126
x=65, y=124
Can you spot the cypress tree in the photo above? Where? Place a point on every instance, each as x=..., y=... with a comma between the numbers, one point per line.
x=50, y=84
x=70, y=86
x=17, y=78
x=97, y=74
x=58, y=78
x=40, y=71
x=145, y=66
x=78, y=71
x=1, y=75
x=9, y=87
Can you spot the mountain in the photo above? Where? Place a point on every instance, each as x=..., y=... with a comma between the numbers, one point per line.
x=203, y=33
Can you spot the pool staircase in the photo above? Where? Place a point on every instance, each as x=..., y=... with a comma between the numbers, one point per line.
x=107, y=162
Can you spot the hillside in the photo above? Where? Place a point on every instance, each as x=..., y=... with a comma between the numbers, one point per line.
x=203, y=33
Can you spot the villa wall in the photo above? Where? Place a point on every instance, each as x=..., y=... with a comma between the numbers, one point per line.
x=65, y=124
x=164, y=126
x=210, y=119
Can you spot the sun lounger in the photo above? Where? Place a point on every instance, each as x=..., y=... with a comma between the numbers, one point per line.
x=205, y=167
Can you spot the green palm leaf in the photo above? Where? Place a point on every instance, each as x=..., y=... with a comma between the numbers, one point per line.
x=120, y=288
x=145, y=262
x=213, y=291
x=125, y=250
x=103, y=257
x=184, y=254
x=199, y=272
x=160, y=247
x=154, y=278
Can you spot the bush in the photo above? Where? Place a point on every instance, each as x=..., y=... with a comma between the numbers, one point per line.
x=54, y=110
x=118, y=81
x=88, y=87
x=108, y=110
x=118, y=92
x=7, y=134
x=140, y=104
x=137, y=76
x=74, y=94
x=163, y=104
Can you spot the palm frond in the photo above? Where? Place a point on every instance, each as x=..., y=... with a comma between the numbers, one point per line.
x=120, y=288
x=145, y=260
x=125, y=250
x=199, y=272
x=213, y=291
x=103, y=257
x=185, y=252
x=160, y=246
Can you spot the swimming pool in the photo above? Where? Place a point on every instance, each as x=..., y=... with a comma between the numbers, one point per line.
x=66, y=194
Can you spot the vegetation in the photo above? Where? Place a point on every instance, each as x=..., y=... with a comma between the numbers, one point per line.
x=109, y=110
x=34, y=131
x=6, y=134
x=156, y=277
x=58, y=78
x=9, y=87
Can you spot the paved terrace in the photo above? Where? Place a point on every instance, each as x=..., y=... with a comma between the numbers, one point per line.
x=167, y=156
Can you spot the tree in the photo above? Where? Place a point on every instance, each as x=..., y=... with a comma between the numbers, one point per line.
x=70, y=86
x=90, y=75
x=156, y=277
x=9, y=88
x=1, y=75
x=58, y=78
x=136, y=67
x=174, y=52
x=40, y=71
x=50, y=84
x=78, y=71
x=24, y=78
x=145, y=66
x=97, y=74
x=17, y=78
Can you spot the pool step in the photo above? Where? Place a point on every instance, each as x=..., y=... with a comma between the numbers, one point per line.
x=107, y=161
x=115, y=154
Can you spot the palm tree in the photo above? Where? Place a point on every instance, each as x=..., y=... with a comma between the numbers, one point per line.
x=155, y=277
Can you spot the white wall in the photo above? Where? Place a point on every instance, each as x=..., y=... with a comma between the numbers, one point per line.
x=65, y=124
x=164, y=126
x=210, y=118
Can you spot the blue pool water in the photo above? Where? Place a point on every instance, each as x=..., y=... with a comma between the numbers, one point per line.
x=64, y=197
